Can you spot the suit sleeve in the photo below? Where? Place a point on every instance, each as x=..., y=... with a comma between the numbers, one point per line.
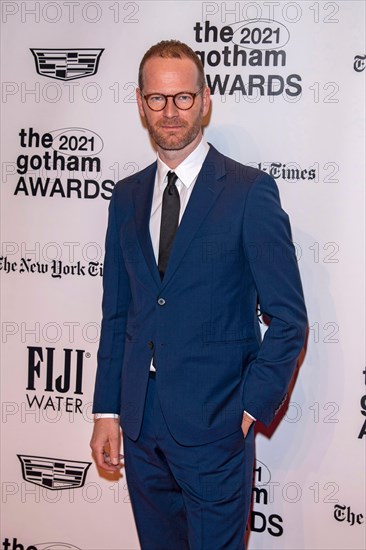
x=116, y=300
x=271, y=256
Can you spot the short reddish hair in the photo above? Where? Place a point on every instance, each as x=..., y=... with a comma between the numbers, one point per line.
x=172, y=49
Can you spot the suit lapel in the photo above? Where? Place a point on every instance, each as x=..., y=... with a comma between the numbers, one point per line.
x=142, y=197
x=207, y=189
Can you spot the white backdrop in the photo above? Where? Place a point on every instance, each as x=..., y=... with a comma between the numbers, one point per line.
x=292, y=104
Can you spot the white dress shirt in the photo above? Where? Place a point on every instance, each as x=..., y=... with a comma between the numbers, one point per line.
x=187, y=172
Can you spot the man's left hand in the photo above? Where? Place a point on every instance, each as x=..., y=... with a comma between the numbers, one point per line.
x=246, y=423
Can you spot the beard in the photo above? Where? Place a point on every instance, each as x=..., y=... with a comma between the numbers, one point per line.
x=175, y=140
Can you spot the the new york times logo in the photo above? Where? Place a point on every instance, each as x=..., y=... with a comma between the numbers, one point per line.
x=67, y=64
x=344, y=513
x=54, y=473
x=9, y=544
x=254, y=44
x=291, y=173
x=53, y=374
x=359, y=63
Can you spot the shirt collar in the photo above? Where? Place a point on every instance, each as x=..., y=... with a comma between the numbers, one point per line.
x=187, y=171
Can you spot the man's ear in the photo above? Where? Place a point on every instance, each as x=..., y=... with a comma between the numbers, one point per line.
x=206, y=99
x=139, y=102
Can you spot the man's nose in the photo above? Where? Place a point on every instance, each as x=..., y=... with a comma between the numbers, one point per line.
x=170, y=109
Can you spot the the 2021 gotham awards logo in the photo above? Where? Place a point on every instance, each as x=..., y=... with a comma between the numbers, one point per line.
x=67, y=64
x=254, y=48
x=263, y=494
x=13, y=544
x=54, y=473
x=362, y=433
x=63, y=163
x=56, y=378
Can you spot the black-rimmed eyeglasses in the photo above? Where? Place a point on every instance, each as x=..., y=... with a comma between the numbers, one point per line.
x=182, y=100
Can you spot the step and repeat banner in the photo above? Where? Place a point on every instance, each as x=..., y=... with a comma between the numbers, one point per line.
x=287, y=82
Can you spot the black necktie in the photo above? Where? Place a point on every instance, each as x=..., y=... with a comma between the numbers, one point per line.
x=169, y=221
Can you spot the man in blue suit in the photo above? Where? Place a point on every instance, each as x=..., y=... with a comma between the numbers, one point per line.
x=194, y=242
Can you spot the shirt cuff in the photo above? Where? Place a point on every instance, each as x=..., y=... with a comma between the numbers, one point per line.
x=252, y=417
x=105, y=415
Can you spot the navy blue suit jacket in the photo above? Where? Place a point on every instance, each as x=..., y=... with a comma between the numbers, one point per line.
x=233, y=248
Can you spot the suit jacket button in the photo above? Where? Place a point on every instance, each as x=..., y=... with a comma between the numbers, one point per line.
x=161, y=301
x=150, y=344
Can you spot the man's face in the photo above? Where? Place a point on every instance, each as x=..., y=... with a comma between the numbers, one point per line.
x=173, y=129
